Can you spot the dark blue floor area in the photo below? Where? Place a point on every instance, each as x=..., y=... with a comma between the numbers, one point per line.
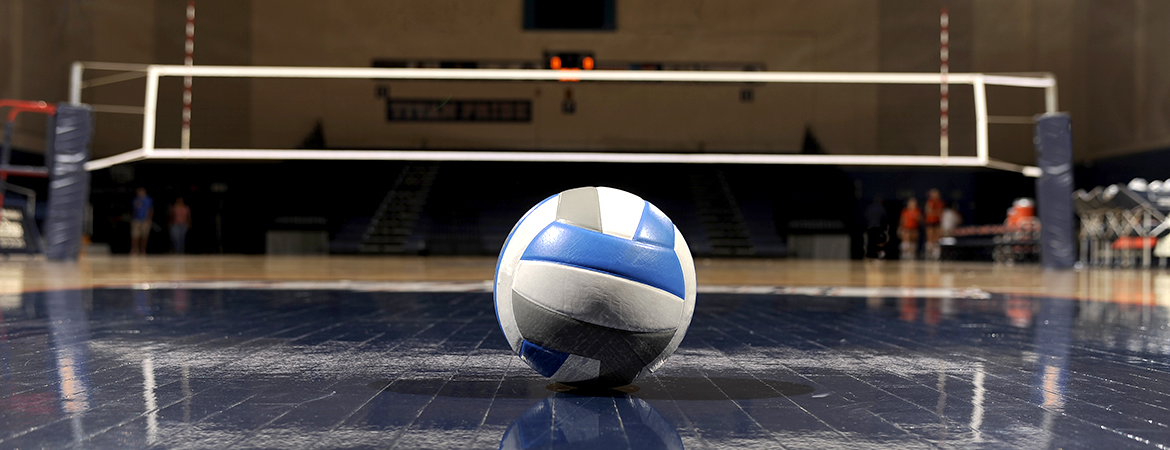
x=205, y=368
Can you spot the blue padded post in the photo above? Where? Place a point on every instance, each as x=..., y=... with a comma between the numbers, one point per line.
x=68, y=181
x=1058, y=242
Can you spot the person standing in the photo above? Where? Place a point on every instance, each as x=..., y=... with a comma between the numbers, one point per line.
x=908, y=229
x=951, y=219
x=876, y=230
x=142, y=216
x=934, y=212
x=875, y=214
x=180, y=223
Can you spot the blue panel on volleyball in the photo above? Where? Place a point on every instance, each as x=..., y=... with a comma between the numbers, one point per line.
x=649, y=264
x=543, y=360
x=655, y=228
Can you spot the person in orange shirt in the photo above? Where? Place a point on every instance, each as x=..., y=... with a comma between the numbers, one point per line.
x=908, y=229
x=934, y=212
x=180, y=223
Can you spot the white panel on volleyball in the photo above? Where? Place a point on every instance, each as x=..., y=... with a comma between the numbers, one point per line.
x=598, y=298
x=577, y=368
x=691, y=289
x=621, y=212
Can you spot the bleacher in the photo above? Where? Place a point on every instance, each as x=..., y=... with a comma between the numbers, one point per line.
x=1017, y=239
x=440, y=215
x=1124, y=224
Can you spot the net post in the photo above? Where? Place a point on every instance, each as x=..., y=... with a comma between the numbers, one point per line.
x=980, y=118
x=188, y=61
x=75, y=71
x=1050, y=105
x=1054, y=190
x=69, y=182
x=149, y=110
x=944, y=139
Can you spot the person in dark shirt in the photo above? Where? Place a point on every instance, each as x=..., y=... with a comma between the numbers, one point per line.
x=876, y=230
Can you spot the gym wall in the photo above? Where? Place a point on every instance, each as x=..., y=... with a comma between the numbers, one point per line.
x=1113, y=76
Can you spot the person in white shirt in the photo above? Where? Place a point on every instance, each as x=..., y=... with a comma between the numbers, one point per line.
x=950, y=220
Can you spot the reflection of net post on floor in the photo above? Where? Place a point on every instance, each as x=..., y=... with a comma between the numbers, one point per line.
x=153, y=73
x=69, y=129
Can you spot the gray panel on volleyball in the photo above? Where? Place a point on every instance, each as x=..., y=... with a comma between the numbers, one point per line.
x=1058, y=248
x=68, y=181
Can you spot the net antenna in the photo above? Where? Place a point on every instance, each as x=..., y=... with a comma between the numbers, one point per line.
x=154, y=72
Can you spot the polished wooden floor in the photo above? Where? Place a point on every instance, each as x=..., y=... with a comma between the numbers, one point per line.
x=348, y=352
x=1132, y=286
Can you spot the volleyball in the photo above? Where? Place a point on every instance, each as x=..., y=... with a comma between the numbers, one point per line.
x=594, y=287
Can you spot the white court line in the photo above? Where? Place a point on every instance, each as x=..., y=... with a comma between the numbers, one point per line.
x=486, y=286
x=867, y=292
x=342, y=285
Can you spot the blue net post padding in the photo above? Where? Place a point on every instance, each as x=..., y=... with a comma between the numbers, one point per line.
x=68, y=181
x=1058, y=242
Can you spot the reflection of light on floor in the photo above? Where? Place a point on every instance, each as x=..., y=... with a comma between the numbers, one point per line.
x=1135, y=344
x=73, y=397
x=948, y=307
x=941, y=407
x=1053, y=400
x=977, y=402
x=1144, y=287
x=186, y=384
x=9, y=301
x=1162, y=290
x=908, y=309
x=151, y=400
x=1019, y=311
x=11, y=287
x=74, y=401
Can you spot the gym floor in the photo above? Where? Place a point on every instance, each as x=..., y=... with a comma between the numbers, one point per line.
x=332, y=352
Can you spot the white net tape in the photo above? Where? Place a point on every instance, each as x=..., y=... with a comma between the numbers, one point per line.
x=153, y=73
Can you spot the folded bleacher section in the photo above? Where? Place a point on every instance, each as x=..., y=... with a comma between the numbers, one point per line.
x=1124, y=224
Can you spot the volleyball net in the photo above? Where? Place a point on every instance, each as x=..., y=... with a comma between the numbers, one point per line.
x=154, y=73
